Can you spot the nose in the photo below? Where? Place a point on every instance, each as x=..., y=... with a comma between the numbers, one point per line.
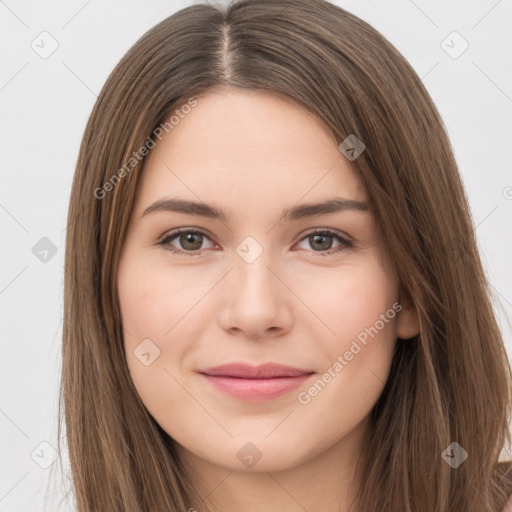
x=256, y=301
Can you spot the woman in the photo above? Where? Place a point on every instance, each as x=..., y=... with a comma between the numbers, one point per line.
x=273, y=295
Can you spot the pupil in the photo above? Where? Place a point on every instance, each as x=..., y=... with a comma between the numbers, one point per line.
x=189, y=238
x=316, y=238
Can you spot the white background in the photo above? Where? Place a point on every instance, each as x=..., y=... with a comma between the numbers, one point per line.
x=45, y=104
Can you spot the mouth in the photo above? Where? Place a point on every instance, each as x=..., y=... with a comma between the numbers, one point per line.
x=255, y=384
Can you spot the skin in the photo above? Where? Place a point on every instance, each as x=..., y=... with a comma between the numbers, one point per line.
x=254, y=154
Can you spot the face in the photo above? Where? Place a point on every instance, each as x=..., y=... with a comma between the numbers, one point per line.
x=312, y=289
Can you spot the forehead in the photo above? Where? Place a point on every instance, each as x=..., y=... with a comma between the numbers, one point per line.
x=251, y=148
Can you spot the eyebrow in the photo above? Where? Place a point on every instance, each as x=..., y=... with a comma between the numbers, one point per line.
x=334, y=205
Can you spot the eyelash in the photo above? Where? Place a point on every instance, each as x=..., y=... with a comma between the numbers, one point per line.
x=344, y=243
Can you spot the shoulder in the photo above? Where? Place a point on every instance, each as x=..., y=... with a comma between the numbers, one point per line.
x=504, y=474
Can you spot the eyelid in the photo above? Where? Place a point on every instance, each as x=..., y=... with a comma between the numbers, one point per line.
x=331, y=231
x=177, y=231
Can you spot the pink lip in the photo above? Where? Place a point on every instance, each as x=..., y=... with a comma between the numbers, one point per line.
x=260, y=383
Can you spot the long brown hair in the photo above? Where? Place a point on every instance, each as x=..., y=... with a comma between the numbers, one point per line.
x=450, y=384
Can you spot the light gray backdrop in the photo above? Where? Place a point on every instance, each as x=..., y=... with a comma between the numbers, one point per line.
x=56, y=55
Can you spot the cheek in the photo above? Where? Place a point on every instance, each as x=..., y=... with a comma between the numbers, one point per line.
x=156, y=302
x=351, y=298
x=160, y=311
x=358, y=310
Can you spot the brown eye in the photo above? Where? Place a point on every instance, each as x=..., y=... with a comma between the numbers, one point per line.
x=191, y=241
x=186, y=241
x=321, y=242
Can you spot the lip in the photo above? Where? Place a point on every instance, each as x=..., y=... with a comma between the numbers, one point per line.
x=263, y=371
x=255, y=383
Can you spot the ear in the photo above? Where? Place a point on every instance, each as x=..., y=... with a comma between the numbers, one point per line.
x=407, y=324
